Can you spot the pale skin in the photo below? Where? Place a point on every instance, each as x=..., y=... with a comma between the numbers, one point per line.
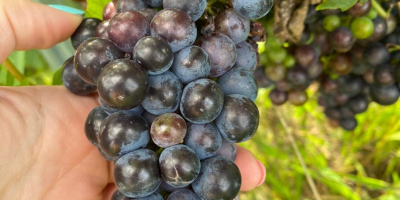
x=44, y=153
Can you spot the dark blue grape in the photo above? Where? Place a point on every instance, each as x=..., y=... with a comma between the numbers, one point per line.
x=179, y=165
x=231, y=24
x=169, y=188
x=168, y=129
x=154, y=54
x=191, y=63
x=375, y=53
x=204, y=139
x=252, y=9
x=92, y=55
x=122, y=84
x=117, y=195
x=130, y=5
x=342, y=39
x=195, y=8
x=175, y=26
x=261, y=78
x=384, y=95
x=183, y=194
x=202, y=101
x=154, y=196
x=246, y=57
x=149, y=117
x=239, y=118
x=155, y=3
x=84, y=31
x=136, y=174
x=349, y=123
x=121, y=133
x=350, y=85
x=219, y=179
x=298, y=77
x=164, y=94
x=221, y=51
x=228, y=150
x=126, y=29
x=358, y=104
x=239, y=81
x=93, y=123
x=109, y=110
x=73, y=82
x=384, y=75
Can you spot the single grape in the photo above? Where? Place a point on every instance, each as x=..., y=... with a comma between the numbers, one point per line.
x=331, y=22
x=228, y=150
x=93, y=123
x=391, y=24
x=278, y=97
x=341, y=64
x=191, y=63
x=315, y=70
x=136, y=174
x=154, y=196
x=350, y=85
x=130, y=5
x=84, y=31
x=384, y=95
x=239, y=118
x=127, y=28
x=275, y=73
x=372, y=13
x=297, y=97
x=289, y=61
x=362, y=27
x=277, y=56
x=380, y=29
x=148, y=13
x=376, y=53
x=359, y=104
x=252, y=9
x=346, y=112
x=109, y=110
x=246, y=57
x=175, y=26
x=298, y=77
x=231, y=24
x=342, y=39
x=73, y=82
x=110, y=10
x=155, y=3
x=154, y=54
x=121, y=133
x=360, y=9
x=179, y=165
x=204, y=139
x=239, y=81
x=122, y=84
x=262, y=80
x=305, y=55
x=183, y=194
x=283, y=85
x=219, y=179
x=101, y=30
x=202, y=101
x=195, y=8
x=349, y=123
x=164, y=94
x=92, y=55
x=168, y=129
x=384, y=75
x=221, y=51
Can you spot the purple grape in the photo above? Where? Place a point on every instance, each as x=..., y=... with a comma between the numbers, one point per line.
x=252, y=9
x=261, y=78
x=231, y=24
x=73, y=82
x=109, y=110
x=84, y=31
x=148, y=13
x=154, y=196
x=110, y=10
x=239, y=81
x=183, y=194
x=228, y=150
x=93, y=123
x=130, y=5
x=278, y=97
x=169, y=188
x=195, y=8
x=101, y=30
x=384, y=95
x=204, y=139
x=342, y=39
x=246, y=57
x=168, y=129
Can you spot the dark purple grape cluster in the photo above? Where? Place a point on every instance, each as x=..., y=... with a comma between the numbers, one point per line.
x=173, y=103
x=347, y=54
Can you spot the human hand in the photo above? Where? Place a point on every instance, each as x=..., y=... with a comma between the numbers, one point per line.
x=44, y=152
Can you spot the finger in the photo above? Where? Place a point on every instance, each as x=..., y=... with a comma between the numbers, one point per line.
x=252, y=171
x=29, y=25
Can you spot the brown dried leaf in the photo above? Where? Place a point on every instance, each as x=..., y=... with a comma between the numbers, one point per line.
x=283, y=12
x=314, y=2
x=296, y=24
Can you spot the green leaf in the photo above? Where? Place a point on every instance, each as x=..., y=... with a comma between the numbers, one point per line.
x=363, y=1
x=57, y=78
x=95, y=8
x=24, y=82
x=336, y=4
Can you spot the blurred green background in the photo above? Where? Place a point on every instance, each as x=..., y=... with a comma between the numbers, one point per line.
x=359, y=165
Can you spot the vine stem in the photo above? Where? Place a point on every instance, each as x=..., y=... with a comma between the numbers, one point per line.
x=379, y=9
x=13, y=70
x=310, y=181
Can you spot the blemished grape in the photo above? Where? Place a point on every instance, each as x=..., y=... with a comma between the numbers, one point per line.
x=232, y=25
x=219, y=179
x=92, y=56
x=305, y=55
x=164, y=94
x=148, y=13
x=204, y=139
x=179, y=165
x=183, y=194
x=101, y=30
x=384, y=95
x=297, y=97
x=246, y=57
x=252, y=9
x=376, y=53
x=130, y=5
x=73, y=82
x=239, y=81
x=195, y=8
x=154, y=196
x=298, y=77
x=342, y=39
x=261, y=78
x=168, y=129
x=275, y=73
x=221, y=51
x=239, y=118
x=110, y=10
x=84, y=31
x=341, y=64
x=129, y=173
x=154, y=54
x=121, y=133
x=93, y=123
x=362, y=27
x=358, y=104
x=228, y=150
x=184, y=29
x=122, y=84
x=278, y=97
x=384, y=75
x=360, y=9
x=202, y=101
x=126, y=29
x=155, y=3
x=331, y=22
x=191, y=63
x=349, y=123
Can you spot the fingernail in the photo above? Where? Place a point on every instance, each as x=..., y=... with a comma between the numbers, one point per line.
x=67, y=9
x=264, y=173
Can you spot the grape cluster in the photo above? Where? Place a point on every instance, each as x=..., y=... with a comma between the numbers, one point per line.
x=173, y=103
x=348, y=54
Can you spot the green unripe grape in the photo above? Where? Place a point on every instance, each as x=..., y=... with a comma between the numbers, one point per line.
x=289, y=61
x=277, y=55
x=331, y=22
x=273, y=43
x=372, y=14
x=362, y=27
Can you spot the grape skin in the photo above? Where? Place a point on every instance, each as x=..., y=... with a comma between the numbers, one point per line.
x=228, y=22
x=195, y=8
x=93, y=123
x=183, y=194
x=168, y=129
x=84, y=31
x=73, y=82
x=110, y=10
x=239, y=81
x=252, y=9
x=101, y=30
x=246, y=57
x=154, y=196
x=130, y=5
x=204, y=139
x=148, y=13
x=228, y=150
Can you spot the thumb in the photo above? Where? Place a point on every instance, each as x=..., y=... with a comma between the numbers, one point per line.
x=252, y=171
x=28, y=25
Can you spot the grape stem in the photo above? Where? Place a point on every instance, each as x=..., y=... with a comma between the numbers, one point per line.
x=379, y=9
x=299, y=156
x=13, y=70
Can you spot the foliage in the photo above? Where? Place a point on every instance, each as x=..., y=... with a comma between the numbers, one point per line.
x=338, y=4
x=95, y=8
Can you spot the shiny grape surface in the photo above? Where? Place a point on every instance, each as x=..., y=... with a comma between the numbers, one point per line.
x=73, y=82
x=84, y=31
